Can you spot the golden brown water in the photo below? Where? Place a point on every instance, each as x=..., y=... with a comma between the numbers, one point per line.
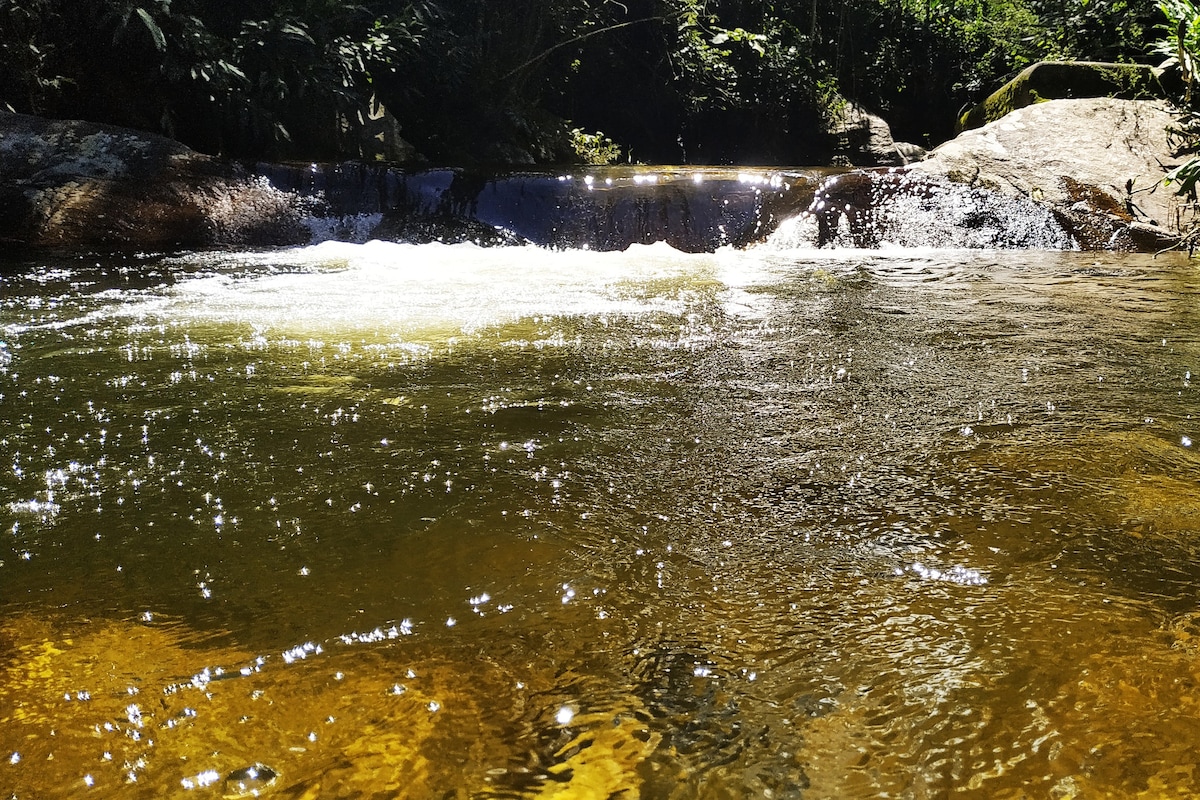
x=391, y=521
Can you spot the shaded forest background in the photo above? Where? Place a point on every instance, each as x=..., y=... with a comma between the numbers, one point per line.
x=521, y=81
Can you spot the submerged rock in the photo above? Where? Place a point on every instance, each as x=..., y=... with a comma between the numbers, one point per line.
x=110, y=700
x=249, y=781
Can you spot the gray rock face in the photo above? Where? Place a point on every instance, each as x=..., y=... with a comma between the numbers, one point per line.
x=66, y=183
x=863, y=139
x=1097, y=163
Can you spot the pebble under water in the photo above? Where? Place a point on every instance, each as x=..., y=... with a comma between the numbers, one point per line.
x=440, y=521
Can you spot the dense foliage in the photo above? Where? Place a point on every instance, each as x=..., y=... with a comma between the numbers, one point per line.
x=483, y=80
x=296, y=70
x=1180, y=45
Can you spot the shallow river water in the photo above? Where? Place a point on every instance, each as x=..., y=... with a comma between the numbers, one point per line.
x=427, y=521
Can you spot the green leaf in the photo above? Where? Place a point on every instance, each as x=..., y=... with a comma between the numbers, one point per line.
x=296, y=32
x=160, y=41
x=1185, y=176
x=232, y=69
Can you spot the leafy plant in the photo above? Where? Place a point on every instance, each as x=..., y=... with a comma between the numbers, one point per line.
x=594, y=148
x=27, y=53
x=1180, y=46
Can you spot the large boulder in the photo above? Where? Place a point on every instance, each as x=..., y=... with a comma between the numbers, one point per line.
x=1096, y=163
x=863, y=139
x=67, y=183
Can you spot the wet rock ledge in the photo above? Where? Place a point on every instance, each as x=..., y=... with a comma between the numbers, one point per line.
x=1059, y=174
x=1090, y=169
x=1095, y=163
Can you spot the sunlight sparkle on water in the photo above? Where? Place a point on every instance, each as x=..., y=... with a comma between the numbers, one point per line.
x=731, y=568
x=200, y=781
x=955, y=574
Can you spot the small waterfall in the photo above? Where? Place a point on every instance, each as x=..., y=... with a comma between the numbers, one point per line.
x=694, y=209
x=896, y=208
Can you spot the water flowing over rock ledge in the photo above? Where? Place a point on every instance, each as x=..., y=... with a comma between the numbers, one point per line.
x=694, y=209
x=1055, y=175
x=872, y=209
x=1097, y=164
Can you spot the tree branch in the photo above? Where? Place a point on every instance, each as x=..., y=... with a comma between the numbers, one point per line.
x=578, y=38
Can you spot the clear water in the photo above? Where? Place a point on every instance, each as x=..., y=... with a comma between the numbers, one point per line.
x=395, y=521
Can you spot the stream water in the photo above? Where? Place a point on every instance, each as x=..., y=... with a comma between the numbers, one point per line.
x=388, y=520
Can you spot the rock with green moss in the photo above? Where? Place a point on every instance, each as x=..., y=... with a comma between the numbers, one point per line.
x=1063, y=80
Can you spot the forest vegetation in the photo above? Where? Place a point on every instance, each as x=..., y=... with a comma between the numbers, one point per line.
x=485, y=81
x=1180, y=47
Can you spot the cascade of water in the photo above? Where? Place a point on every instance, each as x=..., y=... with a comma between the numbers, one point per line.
x=872, y=209
x=695, y=209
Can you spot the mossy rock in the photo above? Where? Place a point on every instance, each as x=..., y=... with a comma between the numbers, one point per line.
x=1064, y=80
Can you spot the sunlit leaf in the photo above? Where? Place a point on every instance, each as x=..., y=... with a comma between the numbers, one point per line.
x=160, y=41
x=296, y=32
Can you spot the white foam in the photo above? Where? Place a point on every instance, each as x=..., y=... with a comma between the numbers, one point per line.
x=384, y=290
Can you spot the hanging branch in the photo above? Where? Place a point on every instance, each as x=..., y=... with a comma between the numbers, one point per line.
x=578, y=38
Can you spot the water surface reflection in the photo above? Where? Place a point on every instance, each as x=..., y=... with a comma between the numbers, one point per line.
x=445, y=521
